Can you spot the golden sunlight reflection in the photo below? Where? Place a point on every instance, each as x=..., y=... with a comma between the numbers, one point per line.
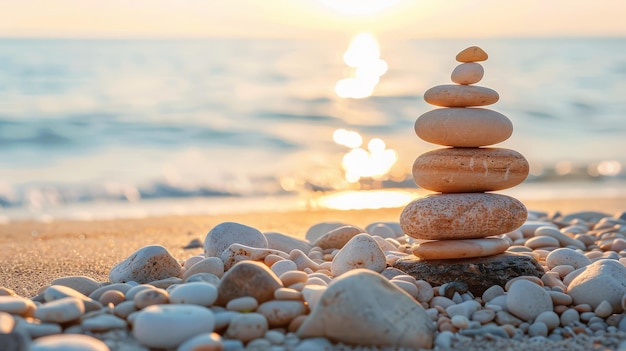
x=363, y=57
x=370, y=199
x=374, y=163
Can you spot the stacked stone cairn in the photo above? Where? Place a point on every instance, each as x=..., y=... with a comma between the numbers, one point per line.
x=463, y=219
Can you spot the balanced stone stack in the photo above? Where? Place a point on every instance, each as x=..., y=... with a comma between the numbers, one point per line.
x=463, y=218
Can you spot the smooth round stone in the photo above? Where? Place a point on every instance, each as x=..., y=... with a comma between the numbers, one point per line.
x=566, y=256
x=146, y=265
x=462, y=216
x=82, y=284
x=283, y=266
x=466, y=170
x=286, y=243
x=202, y=294
x=247, y=326
x=225, y=234
x=242, y=304
x=463, y=127
x=279, y=313
x=7, y=322
x=362, y=307
x=68, y=342
x=549, y=318
x=248, y=278
x=472, y=54
x=149, y=297
x=526, y=300
x=316, y=231
x=361, y=251
x=17, y=305
x=447, y=249
x=601, y=280
x=337, y=238
x=55, y=292
x=450, y=95
x=103, y=322
x=213, y=265
x=563, y=239
x=538, y=242
x=61, y=310
x=468, y=73
x=203, y=342
x=167, y=326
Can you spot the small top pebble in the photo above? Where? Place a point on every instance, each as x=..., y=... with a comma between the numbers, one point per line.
x=472, y=54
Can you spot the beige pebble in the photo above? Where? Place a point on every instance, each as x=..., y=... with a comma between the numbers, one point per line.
x=287, y=294
x=425, y=291
x=541, y=241
x=409, y=288
x=149, y=297
x=559, y=298
x=62, y=342
x=604, y=309
x=242, y=304
x=236, y=253
x=566, y=256
x=563, y=270
x=552, y=280
x=464, y=248
x=464, y=170
x=213, y=265
x=150, y=263
x=312, y=293
x=82, y=284
x=492, y=292
x=293, y=277
x=197, y=293
x=563, y=239
x=220, y=237
x=112, y=297
x=449, y=95
x=61, y=310
x=569, y=317
x=549, y=318
x=102, y=323
x=124, y=309
x=303, y=261
x=279, y=313
x=7, y=322
x=123, y=287
x=472, y=54
x=192, y=260
x=529, y=278
x=467, y=73
x=527, y=300
x=361, y=251
x=462, y=216
x=337, y=238
x=203, y=342
x=315, y=281
x=247, y=327
x=283, y=266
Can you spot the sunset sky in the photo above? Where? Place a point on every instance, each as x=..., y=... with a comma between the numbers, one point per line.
x=312, y=18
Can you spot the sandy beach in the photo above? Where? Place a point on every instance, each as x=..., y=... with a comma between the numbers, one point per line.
x=35, y=253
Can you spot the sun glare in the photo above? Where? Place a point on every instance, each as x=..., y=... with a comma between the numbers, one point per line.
x=359, y=7
x=375, y=162
x=370, y=199
x=363, y=57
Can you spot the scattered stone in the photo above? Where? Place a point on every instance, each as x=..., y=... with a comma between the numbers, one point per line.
x=286, y=243
x=527, y=300
x=225, y=234
x=168, y=326
x=337, y=238
x=361, y=251
x=61, y=310
x=82, y=284
x=247, y=326
x=202, y=294
x=68, y=342
x=248, y=278
x=147, y=264
x=599, y=281
x=392, y=318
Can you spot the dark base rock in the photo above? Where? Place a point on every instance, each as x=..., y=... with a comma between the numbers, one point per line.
x=477, y=273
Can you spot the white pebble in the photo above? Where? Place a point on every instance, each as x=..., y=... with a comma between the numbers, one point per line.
x=202, y=294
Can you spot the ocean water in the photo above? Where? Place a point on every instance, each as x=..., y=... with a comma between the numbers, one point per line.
x=139, y=122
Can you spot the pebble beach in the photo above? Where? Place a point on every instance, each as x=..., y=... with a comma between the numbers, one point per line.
x=66, y=285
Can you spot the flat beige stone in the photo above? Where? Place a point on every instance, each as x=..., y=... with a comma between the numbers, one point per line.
x=451, y=95
x=468, y=73
x=472, y=54
x=451, y=249
x=463, y=127
x=462, y=216
x=468, y=170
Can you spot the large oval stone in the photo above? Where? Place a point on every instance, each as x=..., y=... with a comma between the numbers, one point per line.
x=467, y=170
x=146, y=265
x=225, y=234
x=463, y=127
x=601, y=280
x=462, y=216
x=363, y=308
x=248, y=278
x=451, y=95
